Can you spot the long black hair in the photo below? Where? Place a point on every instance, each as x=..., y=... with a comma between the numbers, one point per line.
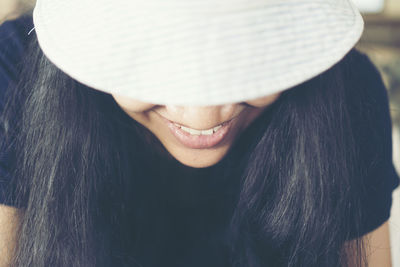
x=77, y=158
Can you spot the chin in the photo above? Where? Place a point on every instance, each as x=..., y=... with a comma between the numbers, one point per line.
x=200, y=160
x=199, y=164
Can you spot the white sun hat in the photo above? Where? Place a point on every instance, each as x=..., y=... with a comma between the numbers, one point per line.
x=195, y=52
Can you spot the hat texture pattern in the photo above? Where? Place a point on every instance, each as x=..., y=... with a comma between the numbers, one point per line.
x=195, y=52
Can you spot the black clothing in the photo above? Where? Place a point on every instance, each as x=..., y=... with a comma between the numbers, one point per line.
x=198, y=208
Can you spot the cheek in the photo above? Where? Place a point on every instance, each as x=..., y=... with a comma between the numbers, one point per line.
x=263, y=101
x=132, y=105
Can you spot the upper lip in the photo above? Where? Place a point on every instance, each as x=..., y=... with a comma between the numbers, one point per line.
x=185, y=125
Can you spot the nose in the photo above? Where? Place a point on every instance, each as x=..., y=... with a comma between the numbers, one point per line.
x=201, y=117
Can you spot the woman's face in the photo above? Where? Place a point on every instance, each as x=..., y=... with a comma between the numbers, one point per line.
x=173, y=126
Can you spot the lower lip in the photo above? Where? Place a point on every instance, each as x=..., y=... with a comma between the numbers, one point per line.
x=200, y=141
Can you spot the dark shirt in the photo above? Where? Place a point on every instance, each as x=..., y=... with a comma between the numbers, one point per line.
x=200, y=198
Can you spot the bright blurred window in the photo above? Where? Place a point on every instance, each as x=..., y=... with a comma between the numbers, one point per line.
x=369, y=6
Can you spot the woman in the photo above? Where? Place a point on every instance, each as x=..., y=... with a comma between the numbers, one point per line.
x=296, y=172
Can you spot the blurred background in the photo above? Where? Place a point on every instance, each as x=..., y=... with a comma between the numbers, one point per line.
x=381, y=41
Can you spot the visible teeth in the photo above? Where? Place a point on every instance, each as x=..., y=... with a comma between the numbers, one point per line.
x=191, y=131
x=217, y=128
x=207, y=132
x=197, y=132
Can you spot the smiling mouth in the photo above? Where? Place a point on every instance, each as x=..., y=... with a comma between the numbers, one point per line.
x=202, y=140
x=192, y=129
x=201, y=132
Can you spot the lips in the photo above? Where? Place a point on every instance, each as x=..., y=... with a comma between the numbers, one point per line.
x=199, y=141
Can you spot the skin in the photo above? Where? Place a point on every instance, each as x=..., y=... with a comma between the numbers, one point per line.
x=377, y=248
x=199, y=118
x=378, y=242
x=9, y=217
